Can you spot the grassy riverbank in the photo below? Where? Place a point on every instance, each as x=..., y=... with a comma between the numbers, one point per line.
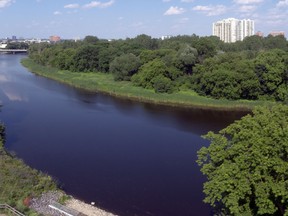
x=19, y=182
x=105, y=83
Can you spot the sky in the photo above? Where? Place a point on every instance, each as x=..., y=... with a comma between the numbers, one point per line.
x=115, y=19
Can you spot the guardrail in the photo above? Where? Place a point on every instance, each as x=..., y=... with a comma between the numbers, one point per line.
x=13, y=51
x=65, y=210
x=11, y=209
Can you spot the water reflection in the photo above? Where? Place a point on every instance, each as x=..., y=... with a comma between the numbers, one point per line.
x=196, y=121
x=13, y=95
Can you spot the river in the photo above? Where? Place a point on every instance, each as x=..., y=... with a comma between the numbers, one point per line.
x=130, y=158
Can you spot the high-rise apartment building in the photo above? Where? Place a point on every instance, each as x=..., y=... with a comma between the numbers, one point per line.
x=232, y=30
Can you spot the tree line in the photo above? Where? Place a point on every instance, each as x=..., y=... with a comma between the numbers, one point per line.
x=255, y=68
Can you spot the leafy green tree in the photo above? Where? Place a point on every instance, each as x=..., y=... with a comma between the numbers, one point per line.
x=105, y=57
x=65, y=59
x=162, y=84
x=91, y=39
x=246, y=164
x=17, y=45
x=150, y=55
x=276, y=42
x=186, y=58
x=144, y=42
x=86, y=59
x=151, y=73
x=254, y=43
x=206, y=47
x=221, y=84
x=125, y=66
x=271, y=68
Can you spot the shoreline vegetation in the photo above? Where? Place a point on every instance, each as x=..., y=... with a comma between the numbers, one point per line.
x=105, y=83
x=19, y=182
x=29, y=191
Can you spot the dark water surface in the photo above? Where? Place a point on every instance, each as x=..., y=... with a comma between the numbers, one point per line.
x=129, y=158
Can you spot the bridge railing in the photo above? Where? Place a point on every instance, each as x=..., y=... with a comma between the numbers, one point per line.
x=11, y=209
x=13, y=50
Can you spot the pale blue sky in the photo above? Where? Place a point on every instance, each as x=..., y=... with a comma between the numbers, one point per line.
x=113, y=19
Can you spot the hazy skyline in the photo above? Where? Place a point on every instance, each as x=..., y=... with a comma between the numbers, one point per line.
x=113, y=19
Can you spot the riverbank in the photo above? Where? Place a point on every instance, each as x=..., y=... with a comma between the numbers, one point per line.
x=19, y=182
x=41, y=205
x=100, y=82
x=31, y=192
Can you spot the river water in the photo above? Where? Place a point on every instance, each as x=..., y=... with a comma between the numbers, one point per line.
x=129, y=158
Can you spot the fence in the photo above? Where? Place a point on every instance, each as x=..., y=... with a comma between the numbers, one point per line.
x=11, y=209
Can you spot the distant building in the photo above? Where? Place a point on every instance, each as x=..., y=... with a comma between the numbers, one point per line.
x=277, y=33
x=259, y=33
x=231, y=30
x=165, y=37
x=54, y=38
x=14, y=37
x=3, y=45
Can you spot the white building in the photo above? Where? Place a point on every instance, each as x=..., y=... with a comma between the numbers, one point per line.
x=232, y=30
x=3, y=45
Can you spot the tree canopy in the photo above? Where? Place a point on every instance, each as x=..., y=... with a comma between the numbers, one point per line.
x=246, y=164
x=251, y=69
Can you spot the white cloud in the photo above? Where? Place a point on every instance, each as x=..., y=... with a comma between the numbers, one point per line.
x=276, y=19
x=57, y=13
x=5, y=3
x=282, y=3
x=183, y=20
x=187, y=1
x=247, y=8
x=137, y=24
x=174, y=11
x=166, y=0
x=72, y=6
x=248, y=1
x=211, y=10
x=94, y=4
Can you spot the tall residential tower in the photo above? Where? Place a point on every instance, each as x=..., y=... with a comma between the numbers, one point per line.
x=232, y=30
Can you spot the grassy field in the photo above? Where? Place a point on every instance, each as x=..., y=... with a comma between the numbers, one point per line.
x=100, y=82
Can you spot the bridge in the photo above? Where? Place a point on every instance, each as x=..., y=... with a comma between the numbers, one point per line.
x=13, y=51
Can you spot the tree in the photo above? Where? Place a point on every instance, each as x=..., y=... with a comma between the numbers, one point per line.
x=253, y=43
x=17, y=45
x=125, y=66
x=206, y=47
x=86, y=59
x=91, y=39
x=276, y=42
x=271, y=68
x=145, y=42
x=155, y=75
x=162, y=84
x=246, y=164
x=186, y=58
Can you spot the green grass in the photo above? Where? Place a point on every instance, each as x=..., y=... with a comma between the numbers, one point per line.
x=18, y=181
x=100, y=82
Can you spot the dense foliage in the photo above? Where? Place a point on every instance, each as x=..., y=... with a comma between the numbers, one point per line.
x=255, y=68
x=18, y=181
x=17, y=45
x=246, y=164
